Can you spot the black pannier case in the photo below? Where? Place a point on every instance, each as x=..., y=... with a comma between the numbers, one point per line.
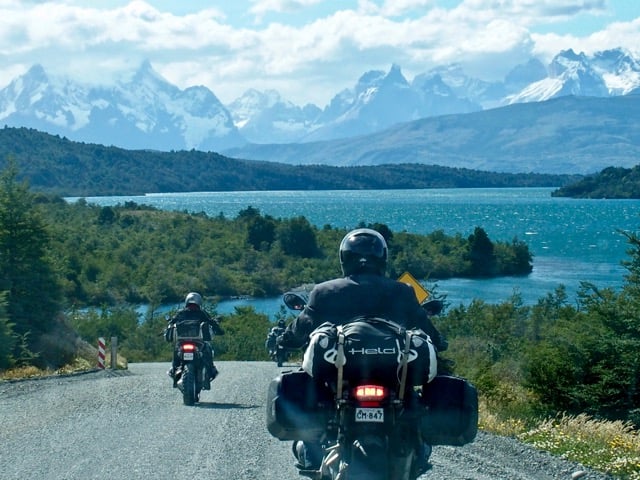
x=297, y=407
x=451, y=416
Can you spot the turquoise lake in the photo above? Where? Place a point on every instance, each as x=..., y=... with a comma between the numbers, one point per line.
x=571, y=240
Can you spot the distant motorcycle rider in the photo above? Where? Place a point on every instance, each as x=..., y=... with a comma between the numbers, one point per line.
x=273, y=334
x=193, y=311
x=362, y=291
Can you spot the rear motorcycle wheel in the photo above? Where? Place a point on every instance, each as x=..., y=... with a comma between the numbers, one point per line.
x=189, y=395
x=281, y=357
x=368, y=462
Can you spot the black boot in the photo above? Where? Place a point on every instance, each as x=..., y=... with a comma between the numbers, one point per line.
x=171, y=373
x=308, y=455
x=422, y=464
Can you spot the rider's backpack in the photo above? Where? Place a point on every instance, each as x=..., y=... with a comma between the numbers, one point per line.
x=373, y=350
x=451, y=416
x=298, y=407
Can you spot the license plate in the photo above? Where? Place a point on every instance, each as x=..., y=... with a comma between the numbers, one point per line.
x=370, y=415
x=187, y=356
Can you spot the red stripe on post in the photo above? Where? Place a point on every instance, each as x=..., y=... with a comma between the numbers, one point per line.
x=101, y=350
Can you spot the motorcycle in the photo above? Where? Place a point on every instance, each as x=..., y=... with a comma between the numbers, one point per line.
x=277, y=353
x=190, y=374
x=363, y=398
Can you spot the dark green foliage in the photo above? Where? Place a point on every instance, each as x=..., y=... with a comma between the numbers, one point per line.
x=27, y=273
x=8, y=338
x=612, y=182
x=261, y=232
x=573, y=359
x=146, y=343
x=127, y=254
x=514, y=258
x=586, y=360
x=144, y=255
x=57, y=165
x=298, y=238
x=91, y=324
x=244, y=334
x=481, y=254
x=485, y=341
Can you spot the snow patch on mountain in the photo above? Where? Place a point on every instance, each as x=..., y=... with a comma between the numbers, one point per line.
x=134, y=113
x=146, y=111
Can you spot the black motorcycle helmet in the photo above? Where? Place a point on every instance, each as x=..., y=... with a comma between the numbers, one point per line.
x=363, y=251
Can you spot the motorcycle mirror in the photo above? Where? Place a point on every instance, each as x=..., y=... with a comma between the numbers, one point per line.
x=295, y=300
x=433, y=307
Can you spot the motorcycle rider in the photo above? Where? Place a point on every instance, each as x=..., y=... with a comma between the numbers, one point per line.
x=364, y=290
x=193, y=310
x=273, y=334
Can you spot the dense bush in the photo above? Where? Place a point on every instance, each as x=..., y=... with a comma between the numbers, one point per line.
x=136, y=254
x=553, y=357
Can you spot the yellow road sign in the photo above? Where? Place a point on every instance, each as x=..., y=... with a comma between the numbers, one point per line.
x=421, y=293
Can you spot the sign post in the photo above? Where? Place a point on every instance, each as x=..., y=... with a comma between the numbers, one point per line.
x=101, y=353
x=421, y=293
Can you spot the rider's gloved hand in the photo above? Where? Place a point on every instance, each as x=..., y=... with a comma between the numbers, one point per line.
x=442, y=344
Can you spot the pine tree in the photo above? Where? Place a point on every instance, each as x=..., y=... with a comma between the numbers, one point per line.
x=8, y=338
x=26, y=272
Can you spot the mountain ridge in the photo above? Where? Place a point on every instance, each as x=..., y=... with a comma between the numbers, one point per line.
x=144, y=111
x=566, y=135
x=56, y=165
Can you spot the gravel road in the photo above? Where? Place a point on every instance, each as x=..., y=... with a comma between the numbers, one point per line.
x=132, y=425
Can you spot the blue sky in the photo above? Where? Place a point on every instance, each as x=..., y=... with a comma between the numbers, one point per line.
x=308, y=50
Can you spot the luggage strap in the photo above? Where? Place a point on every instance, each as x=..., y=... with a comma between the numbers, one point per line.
x=340, y=361
x=405, y=363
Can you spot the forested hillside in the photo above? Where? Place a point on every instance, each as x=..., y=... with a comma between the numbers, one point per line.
x=79, y=254
x=612, y=182
x=57, y=165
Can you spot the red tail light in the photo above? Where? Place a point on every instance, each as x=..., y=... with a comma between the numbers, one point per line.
x=370, y=393
x=188, y=347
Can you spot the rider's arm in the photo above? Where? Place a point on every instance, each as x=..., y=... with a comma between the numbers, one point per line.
x=215, y=325
x=422, y=321
x=298, y=331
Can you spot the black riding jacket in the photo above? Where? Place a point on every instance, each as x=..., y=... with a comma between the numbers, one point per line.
x=342, y=299
x=198, y=314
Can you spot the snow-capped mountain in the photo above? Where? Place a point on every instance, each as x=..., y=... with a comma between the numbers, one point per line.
x=438, y=98
x=481, y=93
x=145, y=112
x=381, y=99
x=569, y=74
x=619, y=69
x=264, y=117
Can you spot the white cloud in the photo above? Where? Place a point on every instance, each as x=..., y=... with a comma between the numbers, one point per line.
x=307, y=60
x=260, y=8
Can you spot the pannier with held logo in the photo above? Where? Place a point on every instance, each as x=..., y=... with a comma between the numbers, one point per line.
x=371, y=349
x=298, y=408
x=451, y=416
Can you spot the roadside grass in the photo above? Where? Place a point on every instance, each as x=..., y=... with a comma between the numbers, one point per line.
x=86, y=361
x=606, y=446
x=21, y=373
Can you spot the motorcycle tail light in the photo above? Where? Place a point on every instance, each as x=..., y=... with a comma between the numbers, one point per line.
x=370, y=393
x=188, y=347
